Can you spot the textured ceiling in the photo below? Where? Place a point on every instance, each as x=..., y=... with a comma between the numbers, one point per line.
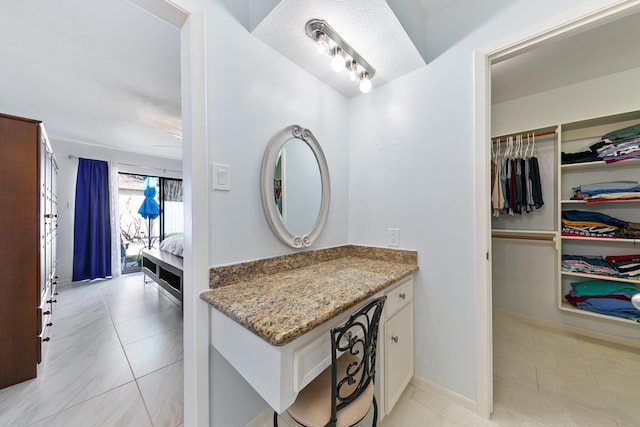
x=432, y=6
x=369, y=26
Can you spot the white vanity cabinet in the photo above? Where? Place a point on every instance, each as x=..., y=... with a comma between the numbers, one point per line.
x=397, y=337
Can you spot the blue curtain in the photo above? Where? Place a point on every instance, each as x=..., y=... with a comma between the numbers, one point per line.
x=92, y=225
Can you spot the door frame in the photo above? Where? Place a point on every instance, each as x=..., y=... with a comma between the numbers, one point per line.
x=578, y=19
x=190, y=18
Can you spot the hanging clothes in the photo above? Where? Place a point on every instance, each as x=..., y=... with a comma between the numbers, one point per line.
x=516, y=185
x=536, y=184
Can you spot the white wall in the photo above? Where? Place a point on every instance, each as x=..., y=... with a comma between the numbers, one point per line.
x=412, y=168
x=67, y=187
x=253, y=93
x=604, y=96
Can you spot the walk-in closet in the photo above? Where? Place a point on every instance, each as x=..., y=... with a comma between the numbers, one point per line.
x=566, y=333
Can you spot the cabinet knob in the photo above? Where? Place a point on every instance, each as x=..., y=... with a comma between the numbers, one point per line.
x=46, y=313
x=52, y=300
x=50, y=324
x=394, y=338
x=402, y=296
x=46, y=339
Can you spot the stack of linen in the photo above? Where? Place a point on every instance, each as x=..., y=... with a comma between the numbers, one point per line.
x=622, y=144
x=590, y=224
x=588, y=265
x=627, y=265
x=607, y=191
x=610, y=298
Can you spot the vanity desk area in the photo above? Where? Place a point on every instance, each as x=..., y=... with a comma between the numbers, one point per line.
x=271, y=318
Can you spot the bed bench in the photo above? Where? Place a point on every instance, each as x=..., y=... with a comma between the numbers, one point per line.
x=165, y=269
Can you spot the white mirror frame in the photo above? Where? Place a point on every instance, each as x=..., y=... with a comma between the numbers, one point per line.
x=268, y=174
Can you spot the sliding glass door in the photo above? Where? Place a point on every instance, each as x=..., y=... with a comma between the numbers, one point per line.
x=137, y=231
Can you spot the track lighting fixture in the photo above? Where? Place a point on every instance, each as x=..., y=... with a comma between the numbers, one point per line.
x=343, y=55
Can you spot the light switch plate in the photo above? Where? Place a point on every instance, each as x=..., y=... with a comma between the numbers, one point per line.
x=221, y=177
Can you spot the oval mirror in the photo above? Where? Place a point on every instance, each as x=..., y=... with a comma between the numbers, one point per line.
x=295, y=186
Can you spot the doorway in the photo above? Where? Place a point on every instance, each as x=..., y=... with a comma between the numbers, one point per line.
x=191, y=21
x=583, y=18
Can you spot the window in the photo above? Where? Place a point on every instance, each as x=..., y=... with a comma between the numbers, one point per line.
x=171, y=207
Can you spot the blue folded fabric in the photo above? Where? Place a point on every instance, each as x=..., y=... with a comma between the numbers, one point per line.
x=610, y=306
x=614, y=150
x=608, y=187
x=576, y=215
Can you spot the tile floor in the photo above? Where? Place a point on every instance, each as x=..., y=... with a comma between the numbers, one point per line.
x=115, y=359
x=542, y=377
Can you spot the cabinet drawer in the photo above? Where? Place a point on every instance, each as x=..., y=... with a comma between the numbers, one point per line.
x=310, y=360
x=398, y=298
x=314, y=356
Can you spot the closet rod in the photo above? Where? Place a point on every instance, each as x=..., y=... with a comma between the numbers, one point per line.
x=541, y=132
x=71, y=156
x=521, y=237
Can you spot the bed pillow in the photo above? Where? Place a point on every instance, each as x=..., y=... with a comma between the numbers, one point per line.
x=173, y=244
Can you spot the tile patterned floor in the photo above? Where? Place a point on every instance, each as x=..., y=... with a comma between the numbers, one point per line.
x=115, y=359
x=542, y=378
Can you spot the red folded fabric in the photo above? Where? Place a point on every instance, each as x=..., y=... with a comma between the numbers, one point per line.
x=575, y=300
x=612, y=258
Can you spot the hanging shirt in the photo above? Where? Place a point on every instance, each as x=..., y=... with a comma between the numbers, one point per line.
x=536, y=184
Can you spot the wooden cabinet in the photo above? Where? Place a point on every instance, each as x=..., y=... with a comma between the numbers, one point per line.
x=28, y=223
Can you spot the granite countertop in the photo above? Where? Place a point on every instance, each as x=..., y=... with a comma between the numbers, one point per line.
x=281, y=298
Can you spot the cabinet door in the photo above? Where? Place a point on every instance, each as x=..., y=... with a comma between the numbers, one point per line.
x=398, y=332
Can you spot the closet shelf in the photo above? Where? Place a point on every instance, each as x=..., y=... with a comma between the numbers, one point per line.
x=565, y=306
x=601, y=277
x=601, y=239
x=598, y=164
x=570, y=201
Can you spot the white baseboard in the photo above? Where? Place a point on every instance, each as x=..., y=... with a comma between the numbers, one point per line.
x=444, y=393
x=263, y=419
x=563, y=327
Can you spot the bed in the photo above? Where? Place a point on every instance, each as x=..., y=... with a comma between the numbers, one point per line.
x=164, y=265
